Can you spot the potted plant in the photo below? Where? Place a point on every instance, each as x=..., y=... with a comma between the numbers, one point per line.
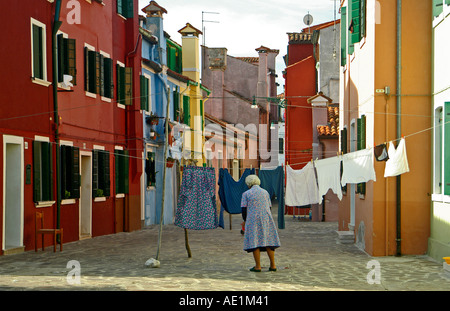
x=170, y=161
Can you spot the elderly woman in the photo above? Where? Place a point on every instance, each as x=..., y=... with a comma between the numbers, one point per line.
x=260, y=230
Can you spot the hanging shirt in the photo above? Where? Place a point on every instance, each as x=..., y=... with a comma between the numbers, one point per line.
x=329, y=176
x=230, y=192
x=301, y=186
x=273, y=182
x=196, y=207
x=358, y=167
x=398, y=161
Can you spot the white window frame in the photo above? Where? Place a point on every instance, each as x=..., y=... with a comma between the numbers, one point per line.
x=44, y=81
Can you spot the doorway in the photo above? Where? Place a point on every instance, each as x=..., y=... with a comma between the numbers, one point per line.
x=86, y=195
x=13, y=199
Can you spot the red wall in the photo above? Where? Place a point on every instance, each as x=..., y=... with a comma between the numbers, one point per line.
x=300, y=84
x=84, y=121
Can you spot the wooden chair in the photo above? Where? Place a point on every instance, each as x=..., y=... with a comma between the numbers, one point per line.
x=40, y=230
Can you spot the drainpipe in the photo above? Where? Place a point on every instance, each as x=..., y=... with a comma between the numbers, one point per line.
x=56, y=25
x=399, y=118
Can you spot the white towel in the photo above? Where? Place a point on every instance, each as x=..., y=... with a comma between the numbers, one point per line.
x=358, y=167
x=329, y=176
x=301, y=186
x=398, y=161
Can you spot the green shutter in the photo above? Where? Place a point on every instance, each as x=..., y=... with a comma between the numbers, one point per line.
x=356, y=19
x=92, y=71
x=86, y=69
x=126, y=170
x=106, y=175
x=61, y=56
x=71, y=59
x=201, y=112
x=127, y=8
x=343, y=36
x=101, y=70
x=446, y=148
x=95, y=183
x=144, y=93
x=75, y=189
x=363, y=23
x=119, y=7
x=186, y=110
x=38, y=57
x=358, y=134
x=46, y=171
x=438, y=7
x=108, y=77
x=447, y=2
x=117, y=169
x=37, y=171
x=128, y=86
x=98, y=73
x=120, y=84
x=344, y=141
x=176, y=105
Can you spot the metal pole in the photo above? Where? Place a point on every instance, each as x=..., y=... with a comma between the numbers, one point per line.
x=166, y=143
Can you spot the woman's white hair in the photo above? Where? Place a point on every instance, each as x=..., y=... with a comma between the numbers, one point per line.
x=252, y=180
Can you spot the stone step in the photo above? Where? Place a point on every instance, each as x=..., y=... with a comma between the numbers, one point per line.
x=346, y=237
x=13, y=250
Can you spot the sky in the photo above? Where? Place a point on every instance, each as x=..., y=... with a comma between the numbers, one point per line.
x=241, y=26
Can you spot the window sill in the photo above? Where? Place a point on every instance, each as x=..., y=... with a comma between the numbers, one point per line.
x=120, y=195
x=40, y=82
x=106, y=99
x=151, y=188
x=121, y=106
x=45, y=204
x=442, y=198
x=89, y=94
x=100, y=199
x=68, y=201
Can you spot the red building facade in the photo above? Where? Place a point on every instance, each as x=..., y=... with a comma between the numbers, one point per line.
x=73, y=152
x=300, y=84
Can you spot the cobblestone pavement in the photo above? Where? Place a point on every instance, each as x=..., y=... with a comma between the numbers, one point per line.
x=309, y=259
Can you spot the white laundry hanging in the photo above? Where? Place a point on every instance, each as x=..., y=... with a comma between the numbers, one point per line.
x=329, y=176
x=301, y=186
x=358, y=167
x=398, y=161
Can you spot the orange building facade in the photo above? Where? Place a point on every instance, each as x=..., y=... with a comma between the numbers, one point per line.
x=385, y=95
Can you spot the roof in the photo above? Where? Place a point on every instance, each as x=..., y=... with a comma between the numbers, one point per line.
x=251, y=60
x=263, y=48
x=154, y=7
x=332, y=128
x=321, y=26
x=190, y=29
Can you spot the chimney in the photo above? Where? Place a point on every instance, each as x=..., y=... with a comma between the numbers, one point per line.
x=154, y=23
x=191, y=53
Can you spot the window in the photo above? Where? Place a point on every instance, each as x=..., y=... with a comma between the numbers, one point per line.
x=38, y=50
x=145, y=93
x=101, y=185
x=150, y=171
x=176, y=105
x=280, y=145
x=66, y=58
x=70, y=172
x=122, y=169
x=125, y=8
x=124, y=85
x=361, y=144
x=186, y=110
x=98, y=73
x=42, y=171
x=438, y=135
